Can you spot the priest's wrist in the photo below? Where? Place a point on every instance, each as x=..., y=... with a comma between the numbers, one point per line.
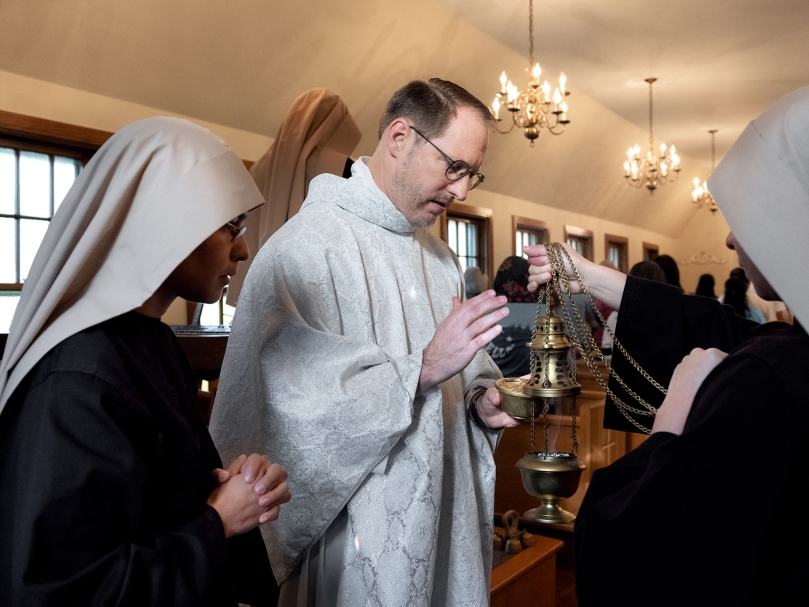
x=474, y=414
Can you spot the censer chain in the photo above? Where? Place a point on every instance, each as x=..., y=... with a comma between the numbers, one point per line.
x=584, y=290
x=592, y=347
x=623, y=407
x=561, y=283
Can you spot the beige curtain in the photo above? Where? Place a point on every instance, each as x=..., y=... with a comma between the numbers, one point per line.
x=316, y=136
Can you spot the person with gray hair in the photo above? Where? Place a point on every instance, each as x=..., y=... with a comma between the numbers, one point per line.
x=476, y=281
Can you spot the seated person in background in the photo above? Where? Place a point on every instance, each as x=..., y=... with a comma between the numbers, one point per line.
x=670, y=269
x=508, y=349
x=736, y=298
x=705, y=286
x=707, y=511
x=771, y=310
x=649, y=270
x=111, y=489
x=476, y=282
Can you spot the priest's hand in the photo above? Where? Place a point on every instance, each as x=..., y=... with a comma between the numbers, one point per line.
x=489, y=411
x=686, y=381
x=469, y=327
x=250, y=493
x=602, y=283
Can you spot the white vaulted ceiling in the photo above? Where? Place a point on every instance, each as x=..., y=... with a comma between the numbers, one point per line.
x=240, y=63
x=719, y=63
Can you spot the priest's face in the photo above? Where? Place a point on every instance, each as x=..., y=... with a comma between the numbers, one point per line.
x=761, y=285
x=422, y=190
x=202, y=275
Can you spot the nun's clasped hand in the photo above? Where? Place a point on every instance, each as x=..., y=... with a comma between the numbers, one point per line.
x=250, y=493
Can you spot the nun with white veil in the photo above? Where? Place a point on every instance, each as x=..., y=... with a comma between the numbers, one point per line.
x=111, y=489
x=710, y=509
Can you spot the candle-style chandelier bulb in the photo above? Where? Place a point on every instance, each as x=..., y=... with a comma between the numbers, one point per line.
x=700, y=195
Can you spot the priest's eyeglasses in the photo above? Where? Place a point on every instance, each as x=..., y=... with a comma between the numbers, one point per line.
x=457, y=169
x=235, y=231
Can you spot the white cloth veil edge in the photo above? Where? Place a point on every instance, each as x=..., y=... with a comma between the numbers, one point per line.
x=762, y=188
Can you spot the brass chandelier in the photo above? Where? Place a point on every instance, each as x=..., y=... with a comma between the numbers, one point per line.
x=535, y=107
x=700, y=196
x=651, y=170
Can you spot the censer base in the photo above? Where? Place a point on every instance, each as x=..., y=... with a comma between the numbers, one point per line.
x=550, y=513
x=551, y=477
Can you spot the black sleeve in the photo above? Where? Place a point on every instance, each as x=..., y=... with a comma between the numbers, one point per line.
x=689, y=520
x=76, y=525
x=658, y=325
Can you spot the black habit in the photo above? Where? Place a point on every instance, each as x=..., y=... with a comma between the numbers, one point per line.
x=105, y=470
x=714, y=516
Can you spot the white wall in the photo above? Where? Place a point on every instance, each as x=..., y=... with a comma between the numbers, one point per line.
x=41, y=99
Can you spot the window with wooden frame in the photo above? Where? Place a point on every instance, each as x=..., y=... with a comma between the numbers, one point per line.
x=581, y=240
x=467, y=230
x=526, y=232
x=39, y=160
x=650, y=251
x=616, y=249
x=218, y=313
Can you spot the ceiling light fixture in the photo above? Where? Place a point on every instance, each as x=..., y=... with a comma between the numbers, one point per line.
x=535, y=107
x=701, y=196
x=651, y=170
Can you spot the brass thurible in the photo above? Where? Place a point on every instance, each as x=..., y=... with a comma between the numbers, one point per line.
x=548, y=475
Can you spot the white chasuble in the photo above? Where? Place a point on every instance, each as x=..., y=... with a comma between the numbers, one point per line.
x=321, y=372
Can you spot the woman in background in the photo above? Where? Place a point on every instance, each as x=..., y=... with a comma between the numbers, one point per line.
x=705, y=286
x=670, y=269
x=111, y=489
x=736, y=298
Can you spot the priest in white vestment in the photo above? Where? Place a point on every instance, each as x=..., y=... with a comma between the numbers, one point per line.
x=353, y=363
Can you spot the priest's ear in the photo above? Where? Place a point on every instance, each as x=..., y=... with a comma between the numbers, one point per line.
x=395, y=137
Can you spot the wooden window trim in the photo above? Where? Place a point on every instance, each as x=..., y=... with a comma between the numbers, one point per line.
x=472, y=212
x=51, y=131
x=59, y=133
x=620, y=240
x=581, y=233
x=48, y=137
x=518, y=222
x=650, y=246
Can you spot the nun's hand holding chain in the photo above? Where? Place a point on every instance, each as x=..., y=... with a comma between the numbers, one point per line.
x=542, y=266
